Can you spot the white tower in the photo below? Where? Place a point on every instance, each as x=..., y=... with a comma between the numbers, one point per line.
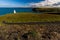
x=14, y=11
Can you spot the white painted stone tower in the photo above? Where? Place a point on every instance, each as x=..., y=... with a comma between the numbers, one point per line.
x=14, y=11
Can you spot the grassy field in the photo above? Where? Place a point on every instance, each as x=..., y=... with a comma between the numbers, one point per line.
x=29, y=17
x=34, y=31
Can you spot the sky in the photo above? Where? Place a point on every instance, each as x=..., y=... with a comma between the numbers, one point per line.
x=29, y=3
x=46, y=3
x=17, y=3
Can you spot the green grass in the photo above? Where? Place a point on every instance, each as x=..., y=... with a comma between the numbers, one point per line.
x=29, y=17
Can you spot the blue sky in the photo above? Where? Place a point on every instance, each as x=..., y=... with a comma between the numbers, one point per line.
x=28, y=3
x=17, y=3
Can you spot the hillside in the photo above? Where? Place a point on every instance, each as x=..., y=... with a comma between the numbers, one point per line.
x=50, y=31
x=54, y=10
x=29, y=17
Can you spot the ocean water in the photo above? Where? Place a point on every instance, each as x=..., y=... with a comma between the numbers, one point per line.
x=11, y=10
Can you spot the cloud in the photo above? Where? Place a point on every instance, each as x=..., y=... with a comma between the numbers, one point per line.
x=47, y=3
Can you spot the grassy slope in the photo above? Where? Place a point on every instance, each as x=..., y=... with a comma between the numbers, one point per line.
x=6, y=30
x=29, y=17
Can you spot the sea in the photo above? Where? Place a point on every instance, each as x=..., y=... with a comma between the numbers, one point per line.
x=4, y=11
